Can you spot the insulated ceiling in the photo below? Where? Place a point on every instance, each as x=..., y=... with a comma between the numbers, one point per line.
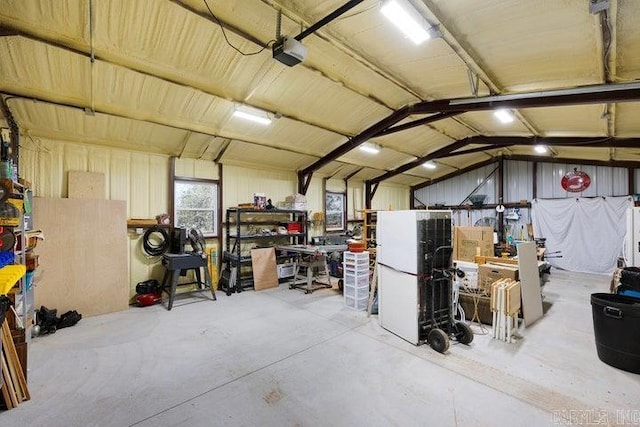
x=166, y=78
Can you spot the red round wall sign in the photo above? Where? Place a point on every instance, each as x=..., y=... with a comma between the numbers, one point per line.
x=575, y=181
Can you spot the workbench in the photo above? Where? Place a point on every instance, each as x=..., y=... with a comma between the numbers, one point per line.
x=311, y=265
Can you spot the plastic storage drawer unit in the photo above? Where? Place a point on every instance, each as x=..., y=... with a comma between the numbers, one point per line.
x=616, y=323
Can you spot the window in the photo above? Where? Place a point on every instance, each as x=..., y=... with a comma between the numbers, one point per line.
x=334, y=211
x=195, y=205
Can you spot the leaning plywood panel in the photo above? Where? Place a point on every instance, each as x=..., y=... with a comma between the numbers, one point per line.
x=86, y=185
x=263, y=263
x=529, y=282
x=84, y=257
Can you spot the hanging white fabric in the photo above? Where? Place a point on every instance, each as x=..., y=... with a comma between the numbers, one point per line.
x=587, y=232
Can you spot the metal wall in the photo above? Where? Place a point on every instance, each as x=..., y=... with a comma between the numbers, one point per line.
x=453, y=191
x=518, y=187
x=142, y=180
x=518, y=183
x=605, y=181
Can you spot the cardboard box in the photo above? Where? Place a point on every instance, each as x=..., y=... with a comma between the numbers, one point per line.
x=489, y=273
x=467, y=240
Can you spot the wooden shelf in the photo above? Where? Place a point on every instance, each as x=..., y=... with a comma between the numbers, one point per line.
x=145, y=223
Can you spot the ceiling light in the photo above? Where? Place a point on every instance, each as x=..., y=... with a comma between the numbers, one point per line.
x=252, y=114
x=404, y=16
x=540, y=149
x=429, y=165
x=369, y=147
x=505, y=116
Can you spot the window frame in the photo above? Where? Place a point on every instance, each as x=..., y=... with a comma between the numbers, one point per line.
x=216, y=201
x=343, y=202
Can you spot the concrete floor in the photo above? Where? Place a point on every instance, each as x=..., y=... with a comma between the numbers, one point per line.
x=283, y=358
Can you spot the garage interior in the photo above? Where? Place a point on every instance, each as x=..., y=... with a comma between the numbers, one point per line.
x=264, y=142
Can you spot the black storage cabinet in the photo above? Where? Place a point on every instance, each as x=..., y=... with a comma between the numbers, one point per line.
x=616, y=323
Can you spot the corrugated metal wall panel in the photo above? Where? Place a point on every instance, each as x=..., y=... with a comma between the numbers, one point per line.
x=518, y=182
x=454, y=190
x=139, y=190
x=605, y=181
x=391, y=197
x=119, y=172
x=98, y=161
x=158, y=185
x=241, y=183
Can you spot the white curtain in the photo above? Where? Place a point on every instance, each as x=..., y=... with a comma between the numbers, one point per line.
x=587, y=232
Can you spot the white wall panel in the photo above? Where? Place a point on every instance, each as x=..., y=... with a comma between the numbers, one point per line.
x=453, y=191
x=391, y=197
x=518, y=181
x=605, y=181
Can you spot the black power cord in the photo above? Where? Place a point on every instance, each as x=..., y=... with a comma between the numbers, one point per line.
x=224, y=34
x=154, y=249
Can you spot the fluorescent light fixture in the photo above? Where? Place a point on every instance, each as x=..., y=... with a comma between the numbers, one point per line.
x=369, y=147
x=540, y=149
x=404, y=16
x=505, y=116
x=429, y=165
x=252, y=114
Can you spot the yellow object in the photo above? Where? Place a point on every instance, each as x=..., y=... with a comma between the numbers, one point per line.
x=212, y=256
x=10, y=213
x=9, y=275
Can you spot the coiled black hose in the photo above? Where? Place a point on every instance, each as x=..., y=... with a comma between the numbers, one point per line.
x=155, y=249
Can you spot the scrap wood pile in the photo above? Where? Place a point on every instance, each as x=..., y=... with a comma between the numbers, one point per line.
x=14, y=384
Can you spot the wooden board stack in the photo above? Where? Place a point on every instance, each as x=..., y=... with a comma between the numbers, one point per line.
x=505, y=305
x=14, y=387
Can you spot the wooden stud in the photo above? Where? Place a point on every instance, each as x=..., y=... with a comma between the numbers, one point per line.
x=12, y=357
x=8, y=385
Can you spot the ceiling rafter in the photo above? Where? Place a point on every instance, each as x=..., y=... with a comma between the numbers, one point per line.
x=146, y=70
x=456, y=173
x=595, y=94
x=85, y=50
x=109, y=112
x=418, y=162
x=465, y=56
x=16, y=96
x=343, y=45
x=497, y=142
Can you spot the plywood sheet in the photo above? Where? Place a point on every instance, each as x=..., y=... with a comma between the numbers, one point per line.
x=84, y=256
x=529, y=283
x=263, y=263
x=86, y=185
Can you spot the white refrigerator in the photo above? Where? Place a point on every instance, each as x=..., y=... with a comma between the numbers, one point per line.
x=631, y=250
x=403, y=242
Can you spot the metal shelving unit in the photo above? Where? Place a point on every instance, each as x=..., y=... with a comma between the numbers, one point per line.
x=250, y=228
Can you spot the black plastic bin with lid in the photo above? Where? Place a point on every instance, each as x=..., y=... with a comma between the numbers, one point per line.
x=616, y=323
